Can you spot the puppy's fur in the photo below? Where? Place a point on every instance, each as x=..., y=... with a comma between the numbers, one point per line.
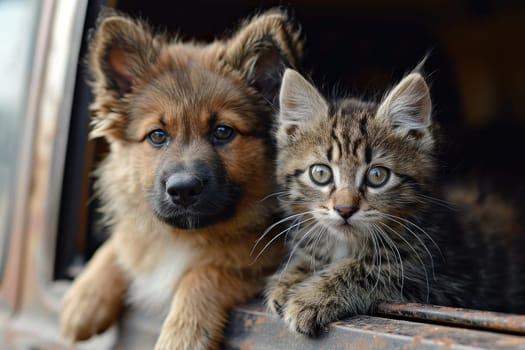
x=190, y=161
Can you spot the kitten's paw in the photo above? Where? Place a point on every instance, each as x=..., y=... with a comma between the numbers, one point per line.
x=276, y=297
x=87, y=311
x=303, y=319
x=309, y=314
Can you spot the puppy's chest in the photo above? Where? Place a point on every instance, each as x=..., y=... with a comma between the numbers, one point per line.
x=152, y=289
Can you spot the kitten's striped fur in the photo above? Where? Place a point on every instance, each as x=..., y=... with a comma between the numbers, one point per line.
x=353, y=243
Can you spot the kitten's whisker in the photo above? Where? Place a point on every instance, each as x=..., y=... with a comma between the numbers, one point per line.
x=316, y=242
x=385, y=250
x=389, y=253
x=297, y=246
x=404, y=223
x=439, y=201
x=430, y=256
x=373, y=247
x=312, y=238
x=271, y=227
x=376, y=258
x=275, y=194
x=415, y=252
x=379, y=255
x=420, y=229
x=397, y=255
x=277, y=236
x=285, y=199
x=296, y=220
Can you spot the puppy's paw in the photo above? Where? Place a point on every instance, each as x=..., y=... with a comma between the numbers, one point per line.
x=167, y=342
x=184, y=338
x=86, y=310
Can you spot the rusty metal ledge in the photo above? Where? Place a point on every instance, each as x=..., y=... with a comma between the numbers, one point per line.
x=493, y=321
x=250, y=327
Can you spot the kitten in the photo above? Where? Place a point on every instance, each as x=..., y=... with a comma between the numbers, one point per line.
x=367, y=225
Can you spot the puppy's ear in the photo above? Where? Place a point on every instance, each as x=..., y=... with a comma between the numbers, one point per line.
x=262, y=48
x=121, y=51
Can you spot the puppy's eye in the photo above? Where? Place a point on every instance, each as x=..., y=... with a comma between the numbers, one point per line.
x=222, y=134
x=377, y=176
x=157, y=137
x=321, y=174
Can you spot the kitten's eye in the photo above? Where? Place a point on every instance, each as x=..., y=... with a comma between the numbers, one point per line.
x=157, y=137
x=222, y=134
x=321, y=174
x=377, y=176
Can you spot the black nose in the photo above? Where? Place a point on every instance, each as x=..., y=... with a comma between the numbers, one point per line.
x=345, y=211
x=184, y=188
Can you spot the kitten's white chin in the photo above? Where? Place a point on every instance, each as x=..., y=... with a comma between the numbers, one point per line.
x=343, y=230
x=348, y=240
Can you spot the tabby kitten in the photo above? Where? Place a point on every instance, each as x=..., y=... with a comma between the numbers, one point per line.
x=365, y=220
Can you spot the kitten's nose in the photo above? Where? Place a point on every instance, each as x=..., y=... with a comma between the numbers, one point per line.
x=345, y=211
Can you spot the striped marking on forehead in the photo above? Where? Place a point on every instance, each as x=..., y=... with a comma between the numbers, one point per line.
x=333, y=153
x=349, y=135
x=359, y=143
x=340, y=138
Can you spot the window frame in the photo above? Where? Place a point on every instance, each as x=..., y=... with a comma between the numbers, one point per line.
x=10, y=285
x=29, y=296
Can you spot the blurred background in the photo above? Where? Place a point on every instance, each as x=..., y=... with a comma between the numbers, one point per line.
x=476, y=58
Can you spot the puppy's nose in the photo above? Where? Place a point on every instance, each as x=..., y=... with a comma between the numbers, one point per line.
x=184, y=188
x=345, y=211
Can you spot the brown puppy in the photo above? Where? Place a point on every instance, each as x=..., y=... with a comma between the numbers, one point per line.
x=190, y=161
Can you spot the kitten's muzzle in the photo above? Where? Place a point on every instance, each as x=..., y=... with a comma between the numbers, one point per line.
x=346, y=211
x=184, y=188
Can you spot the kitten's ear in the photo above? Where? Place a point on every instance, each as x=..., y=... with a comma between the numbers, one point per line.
x=299, y=102
x=120, y=51
x=408, y=105
x=262, y=48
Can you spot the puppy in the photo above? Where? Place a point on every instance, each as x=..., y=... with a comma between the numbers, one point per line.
x=190, y=162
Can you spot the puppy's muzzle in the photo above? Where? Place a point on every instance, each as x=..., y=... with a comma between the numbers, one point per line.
x=184, y=188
